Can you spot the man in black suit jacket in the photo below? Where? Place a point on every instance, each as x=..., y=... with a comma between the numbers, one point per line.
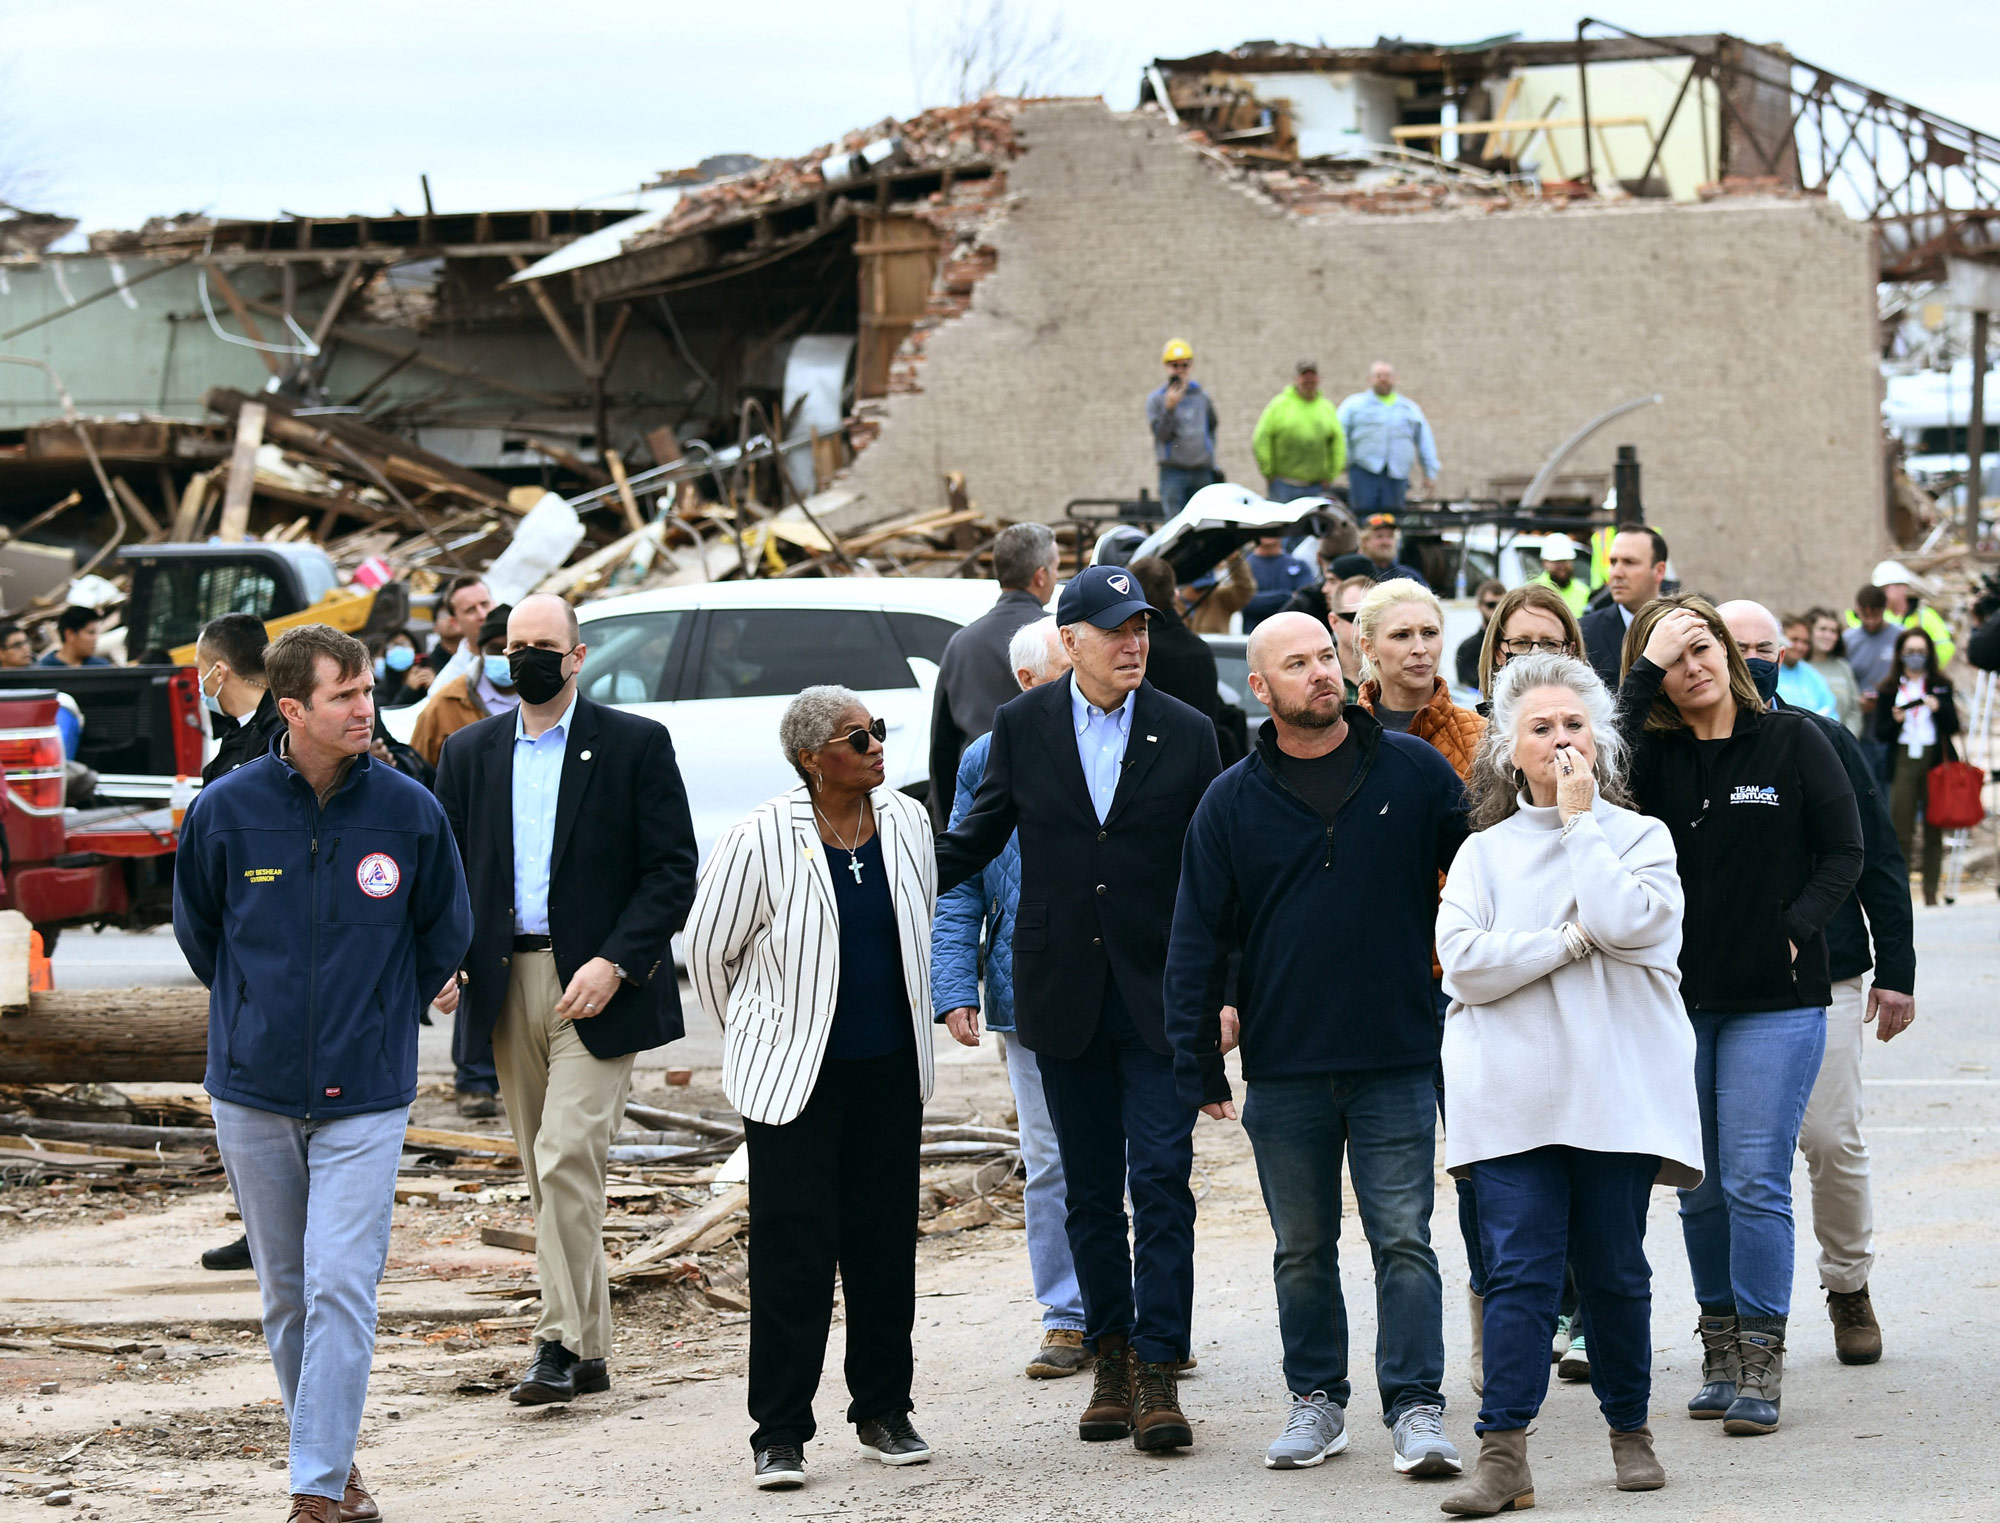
x=580, y=857
x=1637, y=564
x=1100, y=773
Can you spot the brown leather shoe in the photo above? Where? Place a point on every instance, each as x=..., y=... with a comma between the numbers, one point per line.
x=1109, y=1414
x=307, y=1508
x=357, y=1506
x=1157, y=1422
x=1857, y=1336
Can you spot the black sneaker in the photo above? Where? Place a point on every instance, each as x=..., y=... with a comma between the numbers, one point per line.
x=477, y=1105
x=234, y=1255
x=892, y=1441
x=781, y=1467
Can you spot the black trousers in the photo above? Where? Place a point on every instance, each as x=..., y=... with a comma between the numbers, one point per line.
x=835, y=1187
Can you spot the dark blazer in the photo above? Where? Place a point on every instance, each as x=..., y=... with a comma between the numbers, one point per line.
x=1181, y=665
x=974, y=679
x=621, y=877
x=1879, y=907
x=1097, y=900
x=250, y=739
x=1603, y=640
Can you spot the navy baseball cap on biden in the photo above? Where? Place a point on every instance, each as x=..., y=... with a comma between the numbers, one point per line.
x=1102, y=595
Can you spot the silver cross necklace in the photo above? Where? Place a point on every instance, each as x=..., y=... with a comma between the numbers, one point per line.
x=853, y=861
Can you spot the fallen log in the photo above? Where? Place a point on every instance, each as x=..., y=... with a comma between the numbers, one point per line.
x=107, y=1036
x=115, y=1132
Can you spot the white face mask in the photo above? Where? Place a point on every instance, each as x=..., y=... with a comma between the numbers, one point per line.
x=212, y=701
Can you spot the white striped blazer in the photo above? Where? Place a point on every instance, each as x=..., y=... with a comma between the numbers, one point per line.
x=763, y=946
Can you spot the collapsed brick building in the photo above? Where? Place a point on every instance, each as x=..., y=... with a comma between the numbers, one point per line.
x=1754, y=318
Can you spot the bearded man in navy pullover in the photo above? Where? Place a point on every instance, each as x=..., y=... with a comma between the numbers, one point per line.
x=1330, y=818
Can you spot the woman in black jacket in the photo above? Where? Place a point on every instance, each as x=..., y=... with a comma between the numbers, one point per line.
x=1769, y=844
x=1916, y=717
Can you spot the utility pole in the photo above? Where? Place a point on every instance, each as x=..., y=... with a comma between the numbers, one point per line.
x=1975, y=431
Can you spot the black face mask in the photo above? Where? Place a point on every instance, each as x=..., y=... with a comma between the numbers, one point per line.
x=538, y=673
x=1765, y=675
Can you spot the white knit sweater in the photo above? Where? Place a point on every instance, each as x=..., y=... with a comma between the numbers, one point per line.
x=1541, y=1049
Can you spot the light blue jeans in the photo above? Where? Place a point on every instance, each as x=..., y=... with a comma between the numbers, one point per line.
x=1042, y=1199
x=316, y=1198
x=1753, y=1074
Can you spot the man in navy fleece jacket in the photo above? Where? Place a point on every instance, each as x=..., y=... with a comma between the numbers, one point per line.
x=1330, y=822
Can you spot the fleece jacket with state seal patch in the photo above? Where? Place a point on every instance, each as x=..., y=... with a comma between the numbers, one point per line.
x=323, y=933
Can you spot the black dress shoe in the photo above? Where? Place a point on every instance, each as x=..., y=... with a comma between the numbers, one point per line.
x=590, y=1377
x=551, y=1377
x=234, y=1255
x=781, y=1467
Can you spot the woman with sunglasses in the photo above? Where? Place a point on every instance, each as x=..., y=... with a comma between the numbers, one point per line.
x=1529, y=621
x=810, y=941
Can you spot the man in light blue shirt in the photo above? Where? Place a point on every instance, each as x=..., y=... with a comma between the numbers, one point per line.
x=1387, y=434
x=538, y=766
x=1101, y=737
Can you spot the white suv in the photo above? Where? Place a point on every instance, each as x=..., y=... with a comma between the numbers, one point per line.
x=716, y=664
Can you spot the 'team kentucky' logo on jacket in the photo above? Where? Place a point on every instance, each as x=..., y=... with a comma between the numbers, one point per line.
x=1750, y=793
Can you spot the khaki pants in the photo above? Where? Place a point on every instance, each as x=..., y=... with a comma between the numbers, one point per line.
x=565, y=1106
x=1836, y=1153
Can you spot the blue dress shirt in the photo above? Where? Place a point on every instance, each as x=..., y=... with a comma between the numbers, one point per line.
x=1388, y=437
x=538, y=765
x=1100, y=745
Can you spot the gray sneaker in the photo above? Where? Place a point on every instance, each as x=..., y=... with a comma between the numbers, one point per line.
x=1421, y=1447
x=1314, y=1428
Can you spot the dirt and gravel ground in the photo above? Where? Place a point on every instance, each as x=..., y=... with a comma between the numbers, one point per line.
x=187, y=1424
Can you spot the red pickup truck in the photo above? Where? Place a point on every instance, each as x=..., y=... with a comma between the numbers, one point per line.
x=96, y=867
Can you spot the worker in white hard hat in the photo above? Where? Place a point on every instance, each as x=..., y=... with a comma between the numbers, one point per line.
x=1182, y=417
x=1901, y=589
x=1559, y=572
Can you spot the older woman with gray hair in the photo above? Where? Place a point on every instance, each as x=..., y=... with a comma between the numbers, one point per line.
x=810, y=942
x=1560, y=938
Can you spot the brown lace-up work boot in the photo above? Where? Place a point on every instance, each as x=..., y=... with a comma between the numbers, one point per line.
x=307, y=1508
x=1109, y=1414
x=1857, y=1336
x=1157, y=1421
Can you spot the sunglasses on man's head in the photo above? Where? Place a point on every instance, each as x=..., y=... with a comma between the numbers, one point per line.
x=858, y=736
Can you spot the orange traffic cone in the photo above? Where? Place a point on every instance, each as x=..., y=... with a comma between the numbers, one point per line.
x=41, y=975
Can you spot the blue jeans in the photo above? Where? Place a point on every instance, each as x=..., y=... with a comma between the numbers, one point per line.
x=1370, y=492
x=1753, y=1073
x=1282, y=490
x=316, y=1198
x=1386, y=1122
x=1042, y=1202
x=1180, y=482
x=1534, y=1209
x=1122, y=1126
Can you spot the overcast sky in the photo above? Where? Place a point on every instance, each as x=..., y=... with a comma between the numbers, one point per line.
x=123, y=109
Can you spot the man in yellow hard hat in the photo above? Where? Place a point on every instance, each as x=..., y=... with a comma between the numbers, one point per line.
x=1182, y=417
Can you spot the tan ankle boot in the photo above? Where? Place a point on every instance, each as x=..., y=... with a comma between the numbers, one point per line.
x=1500, y=1482
x=1638, y=1467
x=1109, y=1414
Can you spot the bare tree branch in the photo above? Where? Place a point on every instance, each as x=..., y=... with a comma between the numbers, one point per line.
x=993, y=47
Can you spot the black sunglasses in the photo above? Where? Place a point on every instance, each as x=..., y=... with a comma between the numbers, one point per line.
x=858, y=736
x=1345, y=615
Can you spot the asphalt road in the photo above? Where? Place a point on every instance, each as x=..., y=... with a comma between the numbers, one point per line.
x=1910, y=1437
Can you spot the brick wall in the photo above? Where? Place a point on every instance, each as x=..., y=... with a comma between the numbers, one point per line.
x=1755, y=319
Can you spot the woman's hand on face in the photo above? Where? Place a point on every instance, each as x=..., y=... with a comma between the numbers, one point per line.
x=1670, y=637
x=1575, y=788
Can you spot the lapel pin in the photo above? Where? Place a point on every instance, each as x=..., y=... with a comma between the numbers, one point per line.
x=585, y=755
x=1153, y=738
